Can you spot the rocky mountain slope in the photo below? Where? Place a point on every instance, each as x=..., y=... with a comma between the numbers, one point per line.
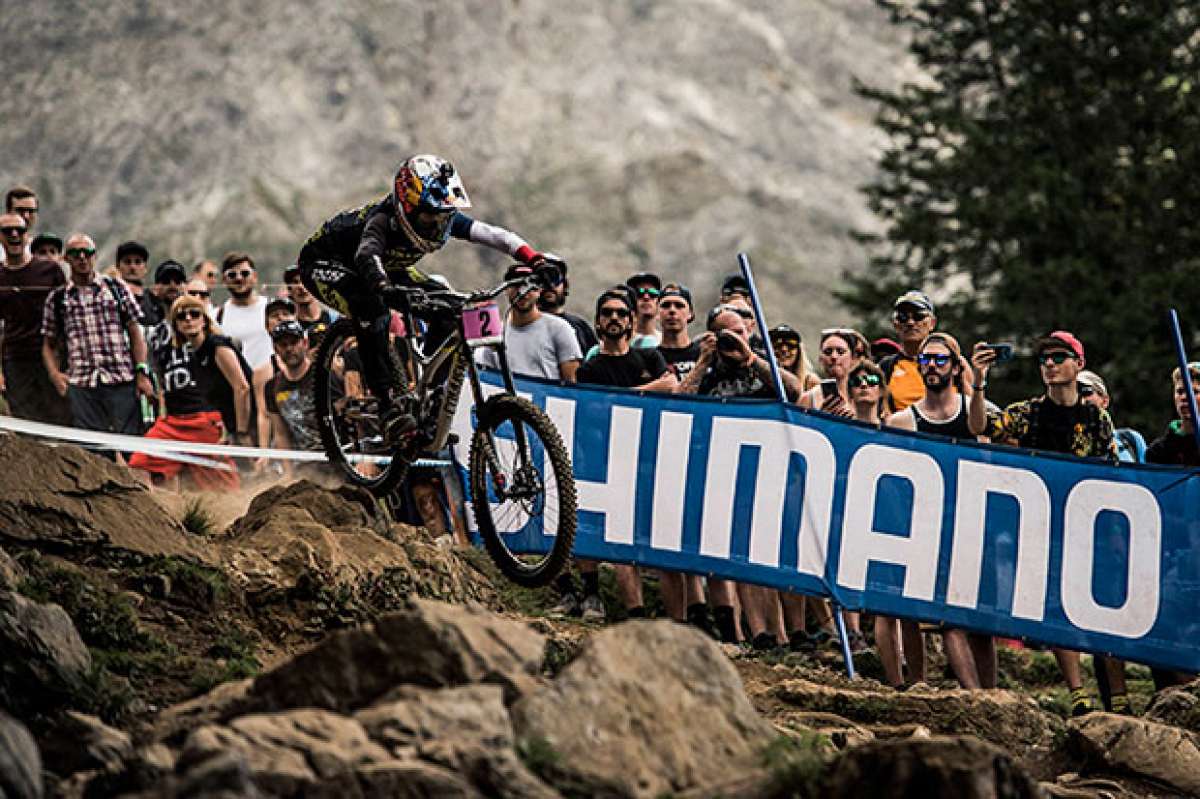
x=624, y=135
x=312, y=648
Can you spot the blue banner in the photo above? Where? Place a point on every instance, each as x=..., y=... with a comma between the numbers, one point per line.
x=1081, y=554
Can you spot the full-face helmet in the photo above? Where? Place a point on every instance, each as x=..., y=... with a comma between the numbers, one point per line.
x=427, y=191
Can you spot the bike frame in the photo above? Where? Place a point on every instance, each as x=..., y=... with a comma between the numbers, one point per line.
x=462, y=363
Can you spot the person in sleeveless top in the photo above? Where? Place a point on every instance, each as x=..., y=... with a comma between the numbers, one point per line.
x=191, y=371
x=942, y=411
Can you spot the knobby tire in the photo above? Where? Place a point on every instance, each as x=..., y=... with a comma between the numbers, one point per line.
x=494, y=413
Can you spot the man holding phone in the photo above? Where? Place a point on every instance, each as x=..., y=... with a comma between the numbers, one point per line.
x=1057, y=421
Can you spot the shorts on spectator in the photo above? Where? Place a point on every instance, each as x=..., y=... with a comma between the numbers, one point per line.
x=202, y=428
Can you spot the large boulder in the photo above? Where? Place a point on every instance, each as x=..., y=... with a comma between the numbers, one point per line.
x=20, y=762
x=931, y=768
x=303, y=538
x=79, y=742
x=1003, y=717
x=288, y=754
x=1142, y=748
x=66, y=497
x=43, y=661
x=465, y=729
x=429, y=644
x=1178, y=706
x=647, y=708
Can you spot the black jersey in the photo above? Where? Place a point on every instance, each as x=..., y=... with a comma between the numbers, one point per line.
x=355, y=238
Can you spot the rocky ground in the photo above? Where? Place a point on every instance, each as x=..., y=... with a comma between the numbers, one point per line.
x=303, y=645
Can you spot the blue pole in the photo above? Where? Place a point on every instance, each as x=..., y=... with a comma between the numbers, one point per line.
x=744, y=265
x=1186, y=374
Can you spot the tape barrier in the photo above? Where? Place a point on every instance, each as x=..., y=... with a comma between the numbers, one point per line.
x=184, y=451
x=1080, y=554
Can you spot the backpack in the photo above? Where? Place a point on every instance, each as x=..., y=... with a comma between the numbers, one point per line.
x=60, y=304
x=222, y=393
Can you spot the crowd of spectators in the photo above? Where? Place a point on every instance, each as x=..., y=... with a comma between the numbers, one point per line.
x=99, y=349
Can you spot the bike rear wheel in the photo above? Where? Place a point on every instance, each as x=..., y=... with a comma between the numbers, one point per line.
x=519, y=497
x=350, y=430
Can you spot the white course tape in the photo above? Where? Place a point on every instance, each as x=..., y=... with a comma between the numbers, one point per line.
x=172, y=449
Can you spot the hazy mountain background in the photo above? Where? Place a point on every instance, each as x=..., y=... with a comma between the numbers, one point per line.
x=625, y=134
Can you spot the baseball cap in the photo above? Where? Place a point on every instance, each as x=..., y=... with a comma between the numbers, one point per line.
x=644, y=277
x=885, y=346
x=46, y=238
x=168, y=269
x=735, y=283
x=785, y=332
x=678, y=290
x=132, y=248
x=1090, y=378
x=621, y=293
x=280, y=303
x=917, y=299
x=1059, y=338
x=289, y=328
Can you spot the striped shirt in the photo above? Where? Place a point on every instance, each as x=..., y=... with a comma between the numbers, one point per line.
x=98, y=351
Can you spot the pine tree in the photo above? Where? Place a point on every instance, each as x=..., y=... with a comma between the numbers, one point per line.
x=1044, y=177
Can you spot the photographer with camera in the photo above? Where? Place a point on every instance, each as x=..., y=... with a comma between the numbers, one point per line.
x=729, y=367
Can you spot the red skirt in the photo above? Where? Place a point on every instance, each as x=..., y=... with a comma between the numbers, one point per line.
x=203, y=428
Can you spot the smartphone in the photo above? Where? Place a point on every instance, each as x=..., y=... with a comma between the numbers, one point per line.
x=1004, y=352
x=829, y=388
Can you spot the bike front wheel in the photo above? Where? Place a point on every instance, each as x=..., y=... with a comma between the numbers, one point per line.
x=522, y=490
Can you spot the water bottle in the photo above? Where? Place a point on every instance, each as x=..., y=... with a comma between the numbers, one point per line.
x=147, y=411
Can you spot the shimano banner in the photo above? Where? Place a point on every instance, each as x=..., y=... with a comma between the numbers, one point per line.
x=1079, y=554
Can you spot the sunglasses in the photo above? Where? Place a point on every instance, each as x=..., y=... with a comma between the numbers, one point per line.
x=620, y=313
x=668, y=304
x=785, y=344
x=189, y=313
x=81, y=252
x=646, y=291
x=905, y=316
x=195, y=293
x=735, y=293
x=13, y=230
x=1086, y=391
x=1056, y=357
x=238, y=274
x=864, y=380
x=933, y=360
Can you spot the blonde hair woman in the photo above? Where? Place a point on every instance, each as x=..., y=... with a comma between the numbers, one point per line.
x=197, y=371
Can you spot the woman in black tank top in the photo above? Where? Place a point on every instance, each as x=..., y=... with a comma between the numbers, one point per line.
x=194, y=369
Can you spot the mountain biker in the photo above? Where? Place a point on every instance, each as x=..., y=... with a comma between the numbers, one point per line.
x=357, y=255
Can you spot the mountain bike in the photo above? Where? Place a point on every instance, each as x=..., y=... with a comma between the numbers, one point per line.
x=521, y=484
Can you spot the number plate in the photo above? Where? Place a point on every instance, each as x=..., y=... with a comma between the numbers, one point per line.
x=482, y=324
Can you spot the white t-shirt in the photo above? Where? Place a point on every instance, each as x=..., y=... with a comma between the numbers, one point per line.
x=247, y=324
x=536, y=349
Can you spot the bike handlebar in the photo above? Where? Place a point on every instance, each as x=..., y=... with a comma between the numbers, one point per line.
x=451, y=300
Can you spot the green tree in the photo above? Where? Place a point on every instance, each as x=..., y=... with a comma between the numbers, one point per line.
x=1042, y=176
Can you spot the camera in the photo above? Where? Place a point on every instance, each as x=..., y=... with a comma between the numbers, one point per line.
x=728, y=342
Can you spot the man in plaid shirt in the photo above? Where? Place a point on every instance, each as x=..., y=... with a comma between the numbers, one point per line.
x=106, y=352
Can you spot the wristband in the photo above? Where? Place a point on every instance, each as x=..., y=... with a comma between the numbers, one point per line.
x=142, y=368
x=525, y=254
x=979, y=387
